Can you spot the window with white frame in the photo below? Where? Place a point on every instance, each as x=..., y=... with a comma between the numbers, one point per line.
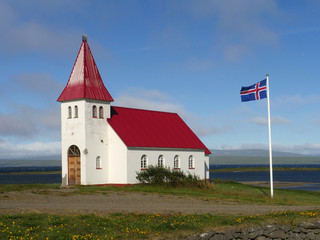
x=94, y=111
x=176, y=162
x=161, y=161
x=191, y=161
x=144, y=162
x=69, y=112
x=76, y=111
x=98, y=163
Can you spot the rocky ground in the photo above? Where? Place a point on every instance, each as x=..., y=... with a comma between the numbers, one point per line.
x=63, y=201
x=310, y=231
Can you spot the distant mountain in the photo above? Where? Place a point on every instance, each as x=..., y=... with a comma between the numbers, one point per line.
x=30, y=163
x=254, y=153
x=54, y=160
x=259, y=156
x=46, y=158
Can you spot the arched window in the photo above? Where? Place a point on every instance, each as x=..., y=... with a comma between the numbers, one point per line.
x=69, y=112
x=161, y=161
x=73, y=151
x=176, y=161
x=98, y=163
x=191, y=162
x=144, y=162
x=76, y=111
x=94, y=111
x=100, y=112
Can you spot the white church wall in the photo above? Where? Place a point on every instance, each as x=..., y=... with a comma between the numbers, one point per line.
x=96, y=143
x=72, y=133
x=117, y=158
x=89, y=135
x=201, y=162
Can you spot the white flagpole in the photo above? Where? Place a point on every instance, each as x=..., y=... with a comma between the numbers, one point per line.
x=270, y=146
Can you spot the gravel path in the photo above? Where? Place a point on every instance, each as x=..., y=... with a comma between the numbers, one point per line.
x=63, y=201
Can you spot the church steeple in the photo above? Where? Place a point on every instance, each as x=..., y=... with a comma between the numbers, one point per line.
x=85, y=81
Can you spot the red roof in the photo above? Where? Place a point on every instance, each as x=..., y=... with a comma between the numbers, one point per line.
x=85, y=80
x=144, y=128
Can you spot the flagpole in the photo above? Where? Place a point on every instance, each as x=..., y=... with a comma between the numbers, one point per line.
x=270, y=146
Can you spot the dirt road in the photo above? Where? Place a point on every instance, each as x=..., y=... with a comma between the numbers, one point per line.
x=63, y=201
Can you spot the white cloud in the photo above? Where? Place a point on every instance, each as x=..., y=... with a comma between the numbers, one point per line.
x=274, y=120
x=30, y=109
x=245, y=146
x=294, y=101
x=306, y=148
x=28, y=35
x=16, y=125
x=234, y=52
x=241, y=25
x=259, y=120
x=27, y=122
x=37, y=82
x=155, y=100
x=148, y=99
x=24, y=150
x=29, y=112
x=206, y=129
x=279, y=120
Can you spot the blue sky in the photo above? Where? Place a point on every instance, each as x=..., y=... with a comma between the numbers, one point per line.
x=190, y=57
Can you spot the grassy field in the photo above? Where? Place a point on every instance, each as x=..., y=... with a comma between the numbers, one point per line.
x=133, y=226
x=218, y=190
x=154, y=226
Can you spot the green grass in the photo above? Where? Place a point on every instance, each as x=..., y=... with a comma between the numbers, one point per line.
x=153, y=226
x=22, y=187
x=263, y=169
x=220, y=191
x=241, y=193
x=133, y=226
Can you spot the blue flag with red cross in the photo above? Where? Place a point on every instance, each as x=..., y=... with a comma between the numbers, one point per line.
x=254, y=92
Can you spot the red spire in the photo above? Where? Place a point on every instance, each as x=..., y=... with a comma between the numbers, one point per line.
x=85, y=80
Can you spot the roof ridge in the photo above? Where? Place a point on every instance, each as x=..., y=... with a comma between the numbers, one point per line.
x=148, y=110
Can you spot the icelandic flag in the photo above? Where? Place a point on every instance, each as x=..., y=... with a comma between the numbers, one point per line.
x=254, y=92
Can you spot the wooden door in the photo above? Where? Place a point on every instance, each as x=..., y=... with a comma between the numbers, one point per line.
x=74, y=166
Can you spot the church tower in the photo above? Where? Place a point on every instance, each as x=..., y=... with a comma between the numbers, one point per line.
x=85, y=108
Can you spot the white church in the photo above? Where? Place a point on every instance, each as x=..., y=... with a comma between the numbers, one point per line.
x=104, y=144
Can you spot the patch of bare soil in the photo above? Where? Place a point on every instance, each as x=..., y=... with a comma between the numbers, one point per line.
x=63, y=201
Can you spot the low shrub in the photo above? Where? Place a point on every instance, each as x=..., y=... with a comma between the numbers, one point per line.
x=160, y=176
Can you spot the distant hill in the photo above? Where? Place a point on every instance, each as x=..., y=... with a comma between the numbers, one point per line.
x=259, y=156
x=32, y=161
x=29, y=163
x=50, y=157
x=254, y=153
